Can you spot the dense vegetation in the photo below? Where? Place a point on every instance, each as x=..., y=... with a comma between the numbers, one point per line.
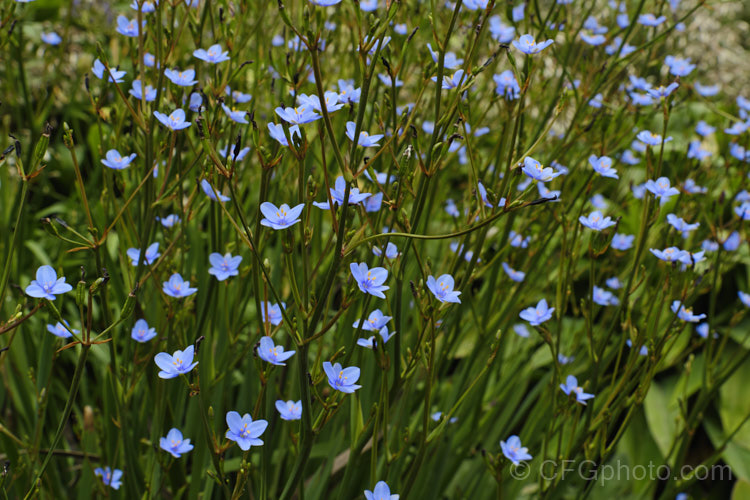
x=527, y=277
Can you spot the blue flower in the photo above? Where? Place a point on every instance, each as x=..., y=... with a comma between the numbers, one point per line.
x=662, y=92
x=99, y=69
x=685, y=313
x=213, y=55
x=603, y=166
x=690, y=258
x=706, y=90
x=342, y=379
x=196, y=101
x=521, y=330
x=237, y=96
x=141, y=331
x=324, y=3
x=622, y=242
x=604, y=297
x=614, y=283
x=679, y=224
x=695, y=150
x=737, y=128
x=593, y=25
x=181, y=78
x=442, y=288
x=641, y=99
x=144, y=6
x=643, y=350
x=537, y=171
x=365, y=140
x=244, y=431
x=62, y=330
x=671, y=254
x=129, y=27
x=149, y=60
x=375, y=322
x=527, y=45
x=280, y=217
x=436, y=417
x=116, y=161
x=691, y=187
x=639, y=83
x=571, y=387
x=332, y=99
x=347, y=91
x=235, y=115
x=731, y=244
x=274, y=354
x=152, y=253
x=224, y=266
x=179, y=363
x=451, y=208
x=391, y=251
x=370, y=280
x=381, y=491
x=174, y=444
x=593, y=39
x=137, y=91
x=544, y=192
x=170, y=220
x=596, y=221
x=274, y=312
x=537, y=315
x=47, y=285
x=517, y=12
x=743, y=211
x=230, y=150
x=651, y=20
x=507, y=85
x=110, y=478
x=177, y=287
x=678, y=66
x=564, y=360
x=374, y=203
x=368, y=5
x=50, y=38
x=739, y=152
x=661, y=188
x=337, y=195
x=451, y=82
x=614, y=47
x=369, y=343
x=629, y=158
x=209, y=190
x=702, y=330
x=599, y=202
x=450, y=61
x=744, y=297
x=704, y=129
x=483, y=194
x=277, y=132
x=501, y=32
x=651, y=139
x=298, y=116
x=289, y=410
x=513, y=450
x=175, y=121
x=596, y=102
x=518, y=241
x=517, y=276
